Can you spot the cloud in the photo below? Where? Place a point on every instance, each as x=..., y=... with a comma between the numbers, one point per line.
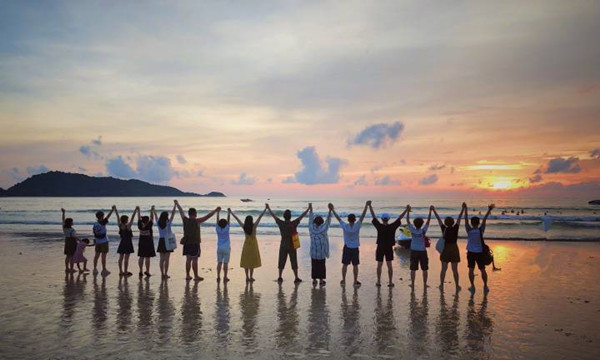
x=154, y=168
x=561, y=165
x=595, y=154
x=429, y=180
x=361, y=181
x=536, y=179
x=87, y=151
x=37, y=170
x=313, y=172
x=379, y=135
x=436, y=167
x=386, y=181
x=98, y=141
x=244, y=180
x=181, y=159
x=117, y=167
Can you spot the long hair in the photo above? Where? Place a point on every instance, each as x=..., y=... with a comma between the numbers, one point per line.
x=162, y=219
x=249, y=225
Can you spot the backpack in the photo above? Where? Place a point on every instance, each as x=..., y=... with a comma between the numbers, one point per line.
x=488, y=254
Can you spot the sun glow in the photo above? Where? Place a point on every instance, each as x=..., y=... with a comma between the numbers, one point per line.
x=501, y=183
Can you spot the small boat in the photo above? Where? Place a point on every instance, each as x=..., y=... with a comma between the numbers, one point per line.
x=594, y=202
x=404, y=238
x=246, y=200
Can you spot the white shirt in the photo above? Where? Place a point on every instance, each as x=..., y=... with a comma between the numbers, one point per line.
x=223, y=236
x=351, y=234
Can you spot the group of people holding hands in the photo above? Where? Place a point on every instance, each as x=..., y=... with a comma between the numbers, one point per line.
x=250, y=258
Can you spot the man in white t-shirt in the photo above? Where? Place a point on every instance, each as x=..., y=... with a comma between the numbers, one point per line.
x=418, y=249
x=101, y=239
x=475, y=254
x=351, y=242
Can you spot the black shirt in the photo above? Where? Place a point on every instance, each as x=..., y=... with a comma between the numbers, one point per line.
x=386, y=233
x=450, y=234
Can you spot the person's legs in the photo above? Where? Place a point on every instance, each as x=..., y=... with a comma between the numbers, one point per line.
x=412, y=278
x=472, y=279
x=485, y=280
x=379, y=266
x=443, y=274
x=104, y=262
x=246, y=270
x=96, y=257
x=188, y=265
x=252, y=274
x=425, y=267
x=85, y=265
x=225, y=268
x=148, y=266
x=219, y=265
x=195, y=268
x=141, y=264
x=414, y=266
x=344, y=270
x=455, y=273
x=167, y=259
x=355, y=270
x=390, y=273
x=471, y=259
x=161, y=263
x=127, y=263
x=67, y=261
x=121, y=256
x=79, y=267
x=282, y=261
x=294, y=263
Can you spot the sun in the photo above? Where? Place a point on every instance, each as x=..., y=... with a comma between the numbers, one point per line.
x=502, y=185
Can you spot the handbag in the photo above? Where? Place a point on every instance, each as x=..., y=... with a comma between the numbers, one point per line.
x=171, y=242
x=295, y=240
x=427, y=241
x=441, y=243
x=488, y=254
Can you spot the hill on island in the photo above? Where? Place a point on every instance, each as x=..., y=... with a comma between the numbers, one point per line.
x=61, y=184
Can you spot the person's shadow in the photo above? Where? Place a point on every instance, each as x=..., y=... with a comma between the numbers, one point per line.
x=447, y=326
x=124, y=301
x=73, y=296
x=145, y=305
x=385, y=331
x=100, y=307
x=319, y=333
x=479, y=328
x=287, y=314
x=191, y=315
x=418, y=328
x=350, y=313
x=166, y=311
x=222, y=316
x=249, y=306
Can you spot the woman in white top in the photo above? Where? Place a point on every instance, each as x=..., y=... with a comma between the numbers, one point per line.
x=319, y=245
x=164, y=233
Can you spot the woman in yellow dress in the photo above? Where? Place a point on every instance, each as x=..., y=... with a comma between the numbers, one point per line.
x=250, y=254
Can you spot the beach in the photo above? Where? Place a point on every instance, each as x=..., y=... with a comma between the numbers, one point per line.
x=542, y=304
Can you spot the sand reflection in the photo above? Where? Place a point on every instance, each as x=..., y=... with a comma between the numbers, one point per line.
x=73, y=295
x=124, y=301
x=350, y=314
x=145, y=304
x=222, y=316
x=100, y=307
x=385, y=331
x=319, y=333
x=166, y=311
x=418, y=330
x=447, y=326
x=478, y=332
x=191, y=316
x=287, y=314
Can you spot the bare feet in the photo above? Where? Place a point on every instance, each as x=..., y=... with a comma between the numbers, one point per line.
x=188, y=277
x=227, y=279
x=391, y=285
x=198, y=278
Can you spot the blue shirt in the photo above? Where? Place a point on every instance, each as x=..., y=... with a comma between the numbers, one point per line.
x=418, y=237
x=99, y=229
x=351, y=234
x=474, y=238
x=223, y=236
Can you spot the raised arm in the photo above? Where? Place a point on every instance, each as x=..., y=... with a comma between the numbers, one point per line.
x=260, y=217
x=408, y=210
x=429, y=216
x=402, y=215
x=466, y=210
x=299, y=218
x=364, y=213
x=218, y=215
x=110, y=213
x=63, y=216
x=181, y=212
x=271, y=213
x=117, y=215
x=235, y=217
x=136, y=211
x=152, y=213
x=208, y=216
x=332, y=209
x=490, y=208
x=460, y=217
x=172, y=214
x=372, y=212
x=437, y=216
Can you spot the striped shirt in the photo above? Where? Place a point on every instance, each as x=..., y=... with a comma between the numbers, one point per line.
x=319, y=240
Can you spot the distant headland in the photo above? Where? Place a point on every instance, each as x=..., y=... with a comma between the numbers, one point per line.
x=62, y=184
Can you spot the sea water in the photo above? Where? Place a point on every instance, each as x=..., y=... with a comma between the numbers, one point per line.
x=571, y=219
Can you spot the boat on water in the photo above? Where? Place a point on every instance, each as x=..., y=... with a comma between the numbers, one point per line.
x=594, y=202
x=246, y=200
x=404, y=238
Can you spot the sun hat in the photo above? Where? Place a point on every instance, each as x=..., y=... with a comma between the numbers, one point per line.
x=385, y=216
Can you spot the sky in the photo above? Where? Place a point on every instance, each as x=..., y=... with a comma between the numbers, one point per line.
x=290, y=98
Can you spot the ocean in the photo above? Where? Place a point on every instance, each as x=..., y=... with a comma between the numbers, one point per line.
x=572, y=219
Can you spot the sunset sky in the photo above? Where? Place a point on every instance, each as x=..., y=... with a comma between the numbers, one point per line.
x=323, y=98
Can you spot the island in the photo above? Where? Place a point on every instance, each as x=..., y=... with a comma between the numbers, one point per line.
x=63, y=184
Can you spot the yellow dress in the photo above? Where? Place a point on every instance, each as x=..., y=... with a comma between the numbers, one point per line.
x=250, y=253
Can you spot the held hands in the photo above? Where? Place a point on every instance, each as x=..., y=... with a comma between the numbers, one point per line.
x=408, y=208
x=62, y=209
x=369, y=203
x=330, y=206
x=491, y=206
x=432, y=208
x=464, y=205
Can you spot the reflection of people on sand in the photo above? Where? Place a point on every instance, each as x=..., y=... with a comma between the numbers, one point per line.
x=222, y=315
x=447, y=326
x=385, y=331
x=249, y=305
x=319, y=334
x=350, y=314
x=288, y=318
x=145, y=305
x=100, y=307
x=418, y=313
x=191, y=316
x=73, y=295
x=124, y=301
x=478, y=331
x=166, y=311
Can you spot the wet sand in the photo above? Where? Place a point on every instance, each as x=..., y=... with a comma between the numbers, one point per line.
x=544, y=303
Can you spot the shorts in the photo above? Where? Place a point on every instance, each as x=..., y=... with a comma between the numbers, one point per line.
x=223, y=254
x=102, y=248
x=419, y=258
x=284, y=251
x=384, y=251
x=473, y=258
x=350, y=255
x=191, y=250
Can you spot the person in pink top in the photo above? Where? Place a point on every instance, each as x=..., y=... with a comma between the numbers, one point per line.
x=78, y=257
